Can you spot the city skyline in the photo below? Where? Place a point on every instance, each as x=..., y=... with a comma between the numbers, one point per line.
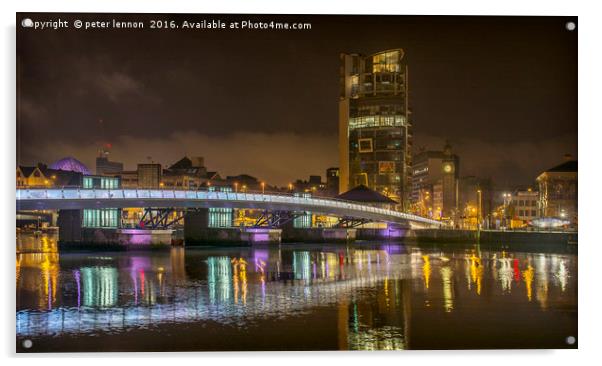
x=493, y=86
x=210, y=182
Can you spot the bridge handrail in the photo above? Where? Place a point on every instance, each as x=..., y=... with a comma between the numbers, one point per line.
x=131, y=193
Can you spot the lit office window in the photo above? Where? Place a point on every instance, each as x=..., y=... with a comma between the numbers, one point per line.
x=302, y=221
x=104, y=217
x=220, y=217
x=88, y=182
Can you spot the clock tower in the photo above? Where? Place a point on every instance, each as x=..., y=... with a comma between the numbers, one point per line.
x=449, y=182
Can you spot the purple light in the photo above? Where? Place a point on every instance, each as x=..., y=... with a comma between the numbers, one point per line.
x=70, y=164
x=77, y=281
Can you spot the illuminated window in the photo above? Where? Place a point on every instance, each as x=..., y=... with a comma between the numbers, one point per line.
x=104, y=217
x=365, y=145
x=88, y=182
x=302, y=221
x=376, y=121
x=220, y=217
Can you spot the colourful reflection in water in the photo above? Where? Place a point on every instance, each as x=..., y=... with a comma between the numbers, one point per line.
x=528, y=278
x=374, y=294
x=100, y=286
x=426, y=271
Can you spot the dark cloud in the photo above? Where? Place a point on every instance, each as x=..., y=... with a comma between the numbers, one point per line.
x=481, y=82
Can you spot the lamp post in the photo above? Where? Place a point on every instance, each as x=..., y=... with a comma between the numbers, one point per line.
x=507, y=199
x=262, y=187
x=479, y=210
x=290, y=187
x=235, y=187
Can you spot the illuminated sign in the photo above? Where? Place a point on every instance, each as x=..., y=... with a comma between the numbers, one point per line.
x=421, y=171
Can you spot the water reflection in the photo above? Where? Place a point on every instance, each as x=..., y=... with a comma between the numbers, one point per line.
x=100, y=286
x=381, y=295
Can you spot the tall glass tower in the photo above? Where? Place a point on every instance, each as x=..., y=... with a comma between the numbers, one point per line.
x=375, y=138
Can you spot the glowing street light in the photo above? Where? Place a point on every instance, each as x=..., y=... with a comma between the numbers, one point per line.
x=235, y=186
x=479, y=209
x=262, y=187
x=290, y=187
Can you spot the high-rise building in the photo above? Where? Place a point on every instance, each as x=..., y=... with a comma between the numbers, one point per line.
x=374, y=124
x=149, y=175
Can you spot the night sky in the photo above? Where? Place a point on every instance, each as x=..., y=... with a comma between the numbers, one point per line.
x=502, y=90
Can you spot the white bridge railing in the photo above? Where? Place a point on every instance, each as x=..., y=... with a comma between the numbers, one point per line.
x=41, y=196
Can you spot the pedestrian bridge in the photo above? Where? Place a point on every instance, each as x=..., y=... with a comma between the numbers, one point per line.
x=74, y=198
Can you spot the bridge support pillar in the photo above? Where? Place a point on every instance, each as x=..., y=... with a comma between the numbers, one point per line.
x=70, y=226
x=196, y=223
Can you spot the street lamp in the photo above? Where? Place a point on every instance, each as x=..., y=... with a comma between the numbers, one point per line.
x=290, y=187
x=479, y=209
x=507, y=200
x=236, y=187
x=262, y=187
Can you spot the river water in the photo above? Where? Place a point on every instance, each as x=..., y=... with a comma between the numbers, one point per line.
x=365, y=296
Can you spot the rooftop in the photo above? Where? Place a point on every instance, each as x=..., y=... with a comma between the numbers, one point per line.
x=364, y=194
x=567, y=166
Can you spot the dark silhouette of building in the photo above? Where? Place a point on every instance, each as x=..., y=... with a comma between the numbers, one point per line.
x=363, y=194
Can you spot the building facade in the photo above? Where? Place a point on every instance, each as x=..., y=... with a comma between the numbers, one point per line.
x=106, y=167
x=375, y=136
x=149, y=175
x=558, y=191
x=524, y=205
x=332, y=181
x=66, y=172
x=435, y=177
x=101, y=217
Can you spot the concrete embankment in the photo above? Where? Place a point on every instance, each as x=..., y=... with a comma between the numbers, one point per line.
x=527, y=240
